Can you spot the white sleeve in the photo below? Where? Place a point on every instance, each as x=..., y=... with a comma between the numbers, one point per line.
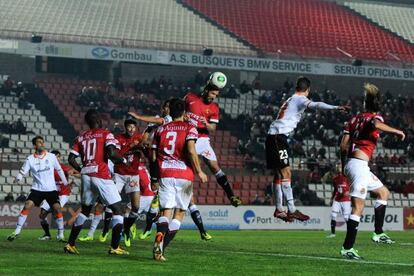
x=59, y=170
x=24, y=170
x=320, y=105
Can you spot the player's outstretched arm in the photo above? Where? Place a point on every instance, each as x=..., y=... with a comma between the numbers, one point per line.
x=325, y=106
x=147, y=119
x=23, y=171
x=386, y=128
x=73, y=163
x=344, y=149
x=211, y=127
x=195, y=162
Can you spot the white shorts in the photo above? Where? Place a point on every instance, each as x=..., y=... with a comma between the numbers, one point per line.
x=124, y=182
x=105, y=189
x=343, y=207
x=63, y=199
x=204, y=148
x=361, y=178
x=145, y=203
x=175, y=193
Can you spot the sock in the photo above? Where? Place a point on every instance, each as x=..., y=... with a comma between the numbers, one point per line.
x=278, y=194
x=379, y=211
x=129, y=221
x=20, y=221
x=162, y=225
x=59, y=222
x=94, y=224
x=117, y=225
x=76, y=228
x=196, y=216
x=149, y=221
x=45, y=225
x=333, y=226
x=107, y=222
x=287, y=191
x=224, y=183
x=172, y=231
x=351, y=231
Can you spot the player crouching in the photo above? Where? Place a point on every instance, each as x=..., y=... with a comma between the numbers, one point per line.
x=174, y=150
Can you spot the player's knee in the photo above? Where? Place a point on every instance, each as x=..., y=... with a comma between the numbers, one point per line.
x=116, y=208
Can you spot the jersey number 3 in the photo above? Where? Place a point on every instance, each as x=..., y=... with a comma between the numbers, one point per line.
x=172, y=138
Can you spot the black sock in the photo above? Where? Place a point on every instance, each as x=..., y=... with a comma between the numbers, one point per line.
x=224, y=183
x=116, y=235
x=74, y=234
x=128, y=222
x=107, y=222
x=162, y=227
x=169, y=237
x=379, y=218
x=351, y=232
x=149, y=220
x=196, y=216
x=45, y=227
x=333, y=225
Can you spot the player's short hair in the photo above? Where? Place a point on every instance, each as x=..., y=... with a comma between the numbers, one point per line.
x=372, y=99
x=129, y=122
x=55, y=152
x=210, y=87
x=36, y=138
x=164, y=104
x=177, y=108
x=302, y=84
x=92, y=117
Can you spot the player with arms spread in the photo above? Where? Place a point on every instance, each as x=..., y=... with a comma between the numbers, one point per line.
x=94, y=146
x=42, y=166
x=277, y=148
x=340, y=200
x=358, y=143
x=203, y=113
x=177, y=160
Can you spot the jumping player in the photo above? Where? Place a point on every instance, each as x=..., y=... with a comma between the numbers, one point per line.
x=42, y=166
x=277, y=148
x=203, y=113
x=175, y=154
x=95, y=146
x=340, y=200
x=358, y=143
x=63, y=192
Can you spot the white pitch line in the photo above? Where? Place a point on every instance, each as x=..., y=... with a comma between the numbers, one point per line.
x=406, y=243
x=305, y=257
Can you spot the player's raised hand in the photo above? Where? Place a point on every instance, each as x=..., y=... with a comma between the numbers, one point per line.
x=344, y=108
x=134, y=115
x=203, y=177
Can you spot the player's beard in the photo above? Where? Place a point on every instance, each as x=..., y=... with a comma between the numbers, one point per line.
x=39, y=150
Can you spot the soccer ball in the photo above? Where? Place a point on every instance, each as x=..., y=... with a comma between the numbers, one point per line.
x=218, y=79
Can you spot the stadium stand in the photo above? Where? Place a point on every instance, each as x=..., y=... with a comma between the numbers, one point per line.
x=319, y=27
x=139, y=24
x=395, y=18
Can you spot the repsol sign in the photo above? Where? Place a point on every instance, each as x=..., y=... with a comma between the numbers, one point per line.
x=390, y=218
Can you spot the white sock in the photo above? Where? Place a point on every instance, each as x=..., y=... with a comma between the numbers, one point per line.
x=379, y=202
x=220, y=173
x=80, y=220
x=94, y=224
x=287, y=191
x=174, y=225
x=193, y=208
x=59, y=222
x=278, y=196
x=20, y=222
x=117, y=219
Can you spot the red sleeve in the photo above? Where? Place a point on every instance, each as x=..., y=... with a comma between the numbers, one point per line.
x=76, y=147
x=110, y=140
x=214, y=116
x=192, y=134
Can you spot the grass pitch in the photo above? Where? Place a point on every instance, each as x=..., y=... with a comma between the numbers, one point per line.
x=229, y=253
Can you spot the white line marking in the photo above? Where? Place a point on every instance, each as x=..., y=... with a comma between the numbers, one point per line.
x=406, y=243
x=306, y=257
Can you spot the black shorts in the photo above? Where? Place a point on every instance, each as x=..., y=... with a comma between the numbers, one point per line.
x=37, y=197
x=277, y=152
